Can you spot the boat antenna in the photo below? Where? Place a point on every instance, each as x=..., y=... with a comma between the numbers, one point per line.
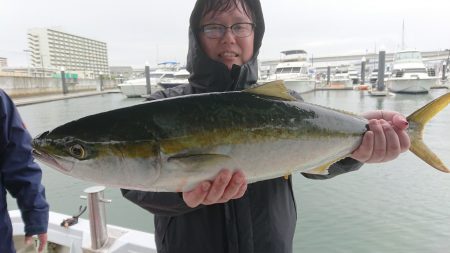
x=403, y=35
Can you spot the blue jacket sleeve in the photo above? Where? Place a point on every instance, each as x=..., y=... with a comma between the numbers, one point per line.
x=20, y=175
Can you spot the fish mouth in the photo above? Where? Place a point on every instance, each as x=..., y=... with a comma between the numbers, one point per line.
x=38, y=142
x=50, y=160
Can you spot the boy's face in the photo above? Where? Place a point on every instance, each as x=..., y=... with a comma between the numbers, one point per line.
x=228, y=49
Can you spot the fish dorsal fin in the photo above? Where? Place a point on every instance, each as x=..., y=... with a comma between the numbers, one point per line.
x=275, y=89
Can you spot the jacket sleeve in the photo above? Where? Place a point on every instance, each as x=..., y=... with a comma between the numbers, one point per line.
x=20, y=175
x=176, y=91
x=159, y=203
x=343, y=166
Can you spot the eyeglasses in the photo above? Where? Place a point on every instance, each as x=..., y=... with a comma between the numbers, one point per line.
x=216, y=31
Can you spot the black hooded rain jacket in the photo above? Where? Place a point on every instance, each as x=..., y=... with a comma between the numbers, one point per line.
x=264, y=219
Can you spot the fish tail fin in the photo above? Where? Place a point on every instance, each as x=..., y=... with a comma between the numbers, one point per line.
x=417, y=121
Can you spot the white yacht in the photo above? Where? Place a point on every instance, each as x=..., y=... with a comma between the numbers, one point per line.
x=373, y=77
x=138, y=88
x=409, y=74
x=341, y=79
x=353, y=75
x=180, y=77
x=295, y=70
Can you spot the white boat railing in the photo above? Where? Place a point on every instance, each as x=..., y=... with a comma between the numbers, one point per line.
x=97, y=215
x=91, y=235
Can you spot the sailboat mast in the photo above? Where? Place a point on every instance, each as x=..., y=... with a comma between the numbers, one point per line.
x=403, y=35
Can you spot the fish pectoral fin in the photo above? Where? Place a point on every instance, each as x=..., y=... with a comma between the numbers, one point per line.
x=322, y=169
x=203, y=161
x=275, y=89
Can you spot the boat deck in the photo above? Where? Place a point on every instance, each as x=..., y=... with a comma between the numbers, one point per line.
x=77, y=238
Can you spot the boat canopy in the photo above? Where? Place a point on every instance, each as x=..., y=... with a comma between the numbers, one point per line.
x=289, y=52
x=294, y=56
x=168, y=63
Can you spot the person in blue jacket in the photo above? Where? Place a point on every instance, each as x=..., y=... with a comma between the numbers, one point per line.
x=21, y=177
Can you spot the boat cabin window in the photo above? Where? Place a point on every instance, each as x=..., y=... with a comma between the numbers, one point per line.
x=291, y=70
x=408, y=56
x=283, y=70
x=415, y=70
x=154, y=75
x=168, y=75
x=183, y=76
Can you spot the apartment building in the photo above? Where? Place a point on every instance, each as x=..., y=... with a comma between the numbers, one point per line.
x=3, y=62
x=53, y=49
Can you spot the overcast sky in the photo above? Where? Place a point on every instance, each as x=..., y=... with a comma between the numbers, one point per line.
x=137, y=31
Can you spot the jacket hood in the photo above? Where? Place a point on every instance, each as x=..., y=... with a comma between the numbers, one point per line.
x=208, y=75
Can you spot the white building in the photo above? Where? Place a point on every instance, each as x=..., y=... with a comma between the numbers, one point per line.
x=3, y=62
x=53, y=49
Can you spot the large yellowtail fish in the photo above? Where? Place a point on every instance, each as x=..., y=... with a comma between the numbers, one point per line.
x=173, y=144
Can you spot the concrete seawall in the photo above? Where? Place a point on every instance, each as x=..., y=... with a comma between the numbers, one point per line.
x=17, y=87
x=29, y=100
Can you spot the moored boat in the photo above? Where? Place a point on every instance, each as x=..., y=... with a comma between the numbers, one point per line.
x=295, y=70
x=180, y=77
x=138, y=87
x=341, y=80
x=409, y=74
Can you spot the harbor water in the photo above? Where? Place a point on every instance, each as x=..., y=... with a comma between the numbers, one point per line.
x=399, y=206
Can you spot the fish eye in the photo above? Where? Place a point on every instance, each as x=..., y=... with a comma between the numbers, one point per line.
x=77, y=151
